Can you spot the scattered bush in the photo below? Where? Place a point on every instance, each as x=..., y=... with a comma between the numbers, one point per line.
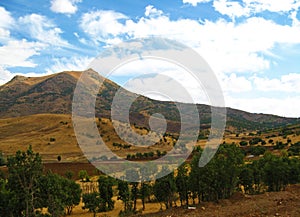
x=243, y=143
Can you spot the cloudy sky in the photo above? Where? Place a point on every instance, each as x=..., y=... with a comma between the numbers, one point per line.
x=253, y=46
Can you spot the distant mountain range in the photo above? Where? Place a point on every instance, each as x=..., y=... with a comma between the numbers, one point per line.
x=53, y=94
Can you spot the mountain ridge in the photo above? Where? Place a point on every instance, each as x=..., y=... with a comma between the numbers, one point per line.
x=53, y=93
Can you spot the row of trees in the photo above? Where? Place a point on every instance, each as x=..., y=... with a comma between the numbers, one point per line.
x=27, y=190
x=225, y=174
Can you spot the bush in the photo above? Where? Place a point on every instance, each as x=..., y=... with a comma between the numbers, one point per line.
x=279, y=145
x=294, y=149
x=257, y=150
x=255, y=141
x=243, y=143
x=2, y=160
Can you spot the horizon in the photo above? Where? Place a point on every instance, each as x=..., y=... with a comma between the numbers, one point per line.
x=252, y=46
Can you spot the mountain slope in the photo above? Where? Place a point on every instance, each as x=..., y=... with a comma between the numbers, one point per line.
x=54, y=93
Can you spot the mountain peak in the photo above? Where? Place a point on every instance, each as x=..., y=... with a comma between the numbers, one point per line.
x=18, y=78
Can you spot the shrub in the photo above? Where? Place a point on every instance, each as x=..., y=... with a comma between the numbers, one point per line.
x=243, y=143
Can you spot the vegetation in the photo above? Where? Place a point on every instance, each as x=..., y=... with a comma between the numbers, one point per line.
x=2, y=160
x=106, y=193
x=27, y=190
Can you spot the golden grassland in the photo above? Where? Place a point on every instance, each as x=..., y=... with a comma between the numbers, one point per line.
x=53, y=135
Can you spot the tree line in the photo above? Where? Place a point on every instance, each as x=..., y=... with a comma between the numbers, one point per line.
x=27, y=190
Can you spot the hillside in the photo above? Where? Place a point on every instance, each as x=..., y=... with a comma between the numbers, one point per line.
x=37, y=112
x=53, y=94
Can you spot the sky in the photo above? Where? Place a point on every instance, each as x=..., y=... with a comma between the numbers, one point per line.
x=253, y=46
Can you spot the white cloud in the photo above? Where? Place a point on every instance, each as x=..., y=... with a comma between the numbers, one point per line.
x=64, y=6
x=231, y=8
x=233, y=83
x=6, y=19
x=18, y=53
x=5, y=75
x=195, y=2
x=6, y=23
x=227, y=46
x=151, y=11
x=247, y=7
x=165, y=80
x=42, y=29
x=272, y=5
x=102, y=25
x=286, y=83
x=69, y=64
x=287, y=107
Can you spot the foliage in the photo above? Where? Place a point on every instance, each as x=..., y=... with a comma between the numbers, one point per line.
x=257, y=150
x=8, y=200
x=164, y=188
x=106, y=193
x=92, y=202
x=2, y=160
x=218, y=179
x=69, y=174
x=124, y=195
x=24, y=170
x=243, y=143
x=256, y=140
x=83, y=175
x=59, y=193
x=294, y=149
x=133, y=174
x=182, y=184
x=27, y=190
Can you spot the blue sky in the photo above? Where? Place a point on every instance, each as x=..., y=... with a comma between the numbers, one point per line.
x=253, y=46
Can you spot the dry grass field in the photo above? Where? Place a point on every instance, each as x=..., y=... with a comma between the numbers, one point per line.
x=53, y=135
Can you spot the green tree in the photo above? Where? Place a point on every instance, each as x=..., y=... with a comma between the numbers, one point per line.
x=145, y=192
x=194, y=179
x=60, y=195
x=83, y=175
x=51, y=194
x=24, y=170
x=294, y=171
x=146, y=174
x=275, y=173
x=165, y=188
x=92, y=202
x=72, y=195
x=258, y=173
x=182, y=184
x=246, y=178
x=69, y=174
x=257, y=150
x=106, y=193
x=133, y=174
x=8, y=200
x=124, y=195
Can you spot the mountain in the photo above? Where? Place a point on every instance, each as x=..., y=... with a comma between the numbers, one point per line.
x=23, y=96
